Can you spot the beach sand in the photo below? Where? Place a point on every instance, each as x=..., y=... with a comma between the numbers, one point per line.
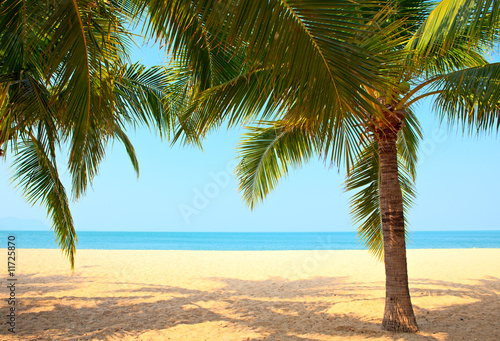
x=248, y=295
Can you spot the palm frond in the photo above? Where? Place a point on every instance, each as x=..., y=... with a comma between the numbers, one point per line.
x=408, y=142
x=120, y=135
x=267, y=152
x=473, y=22
x=85, y=39
x=452, y=59
x=140, y=96
x=86, y=155
x=308, y=48
x=238, y=101
x=470, y=97
x=36, y=174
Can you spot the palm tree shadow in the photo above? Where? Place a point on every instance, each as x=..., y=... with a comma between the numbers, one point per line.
x=466, y=321
x=272, y=309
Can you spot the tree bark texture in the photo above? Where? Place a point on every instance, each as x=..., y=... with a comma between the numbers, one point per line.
x=398, y=314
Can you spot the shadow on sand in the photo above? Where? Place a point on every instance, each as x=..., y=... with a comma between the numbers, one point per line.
x=273, y=308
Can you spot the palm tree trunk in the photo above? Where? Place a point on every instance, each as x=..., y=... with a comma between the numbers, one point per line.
x=398, y=315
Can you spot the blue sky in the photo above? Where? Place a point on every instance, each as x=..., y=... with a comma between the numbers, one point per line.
x=185, y=189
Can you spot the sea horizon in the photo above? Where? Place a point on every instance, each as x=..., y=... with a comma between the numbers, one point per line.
x=249, y=241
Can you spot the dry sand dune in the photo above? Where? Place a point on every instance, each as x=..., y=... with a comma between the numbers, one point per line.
x=263, y=295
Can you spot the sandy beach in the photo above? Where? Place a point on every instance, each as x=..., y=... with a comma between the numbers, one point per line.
x=248, y=295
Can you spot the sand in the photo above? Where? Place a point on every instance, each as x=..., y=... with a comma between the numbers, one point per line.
x=248, y=295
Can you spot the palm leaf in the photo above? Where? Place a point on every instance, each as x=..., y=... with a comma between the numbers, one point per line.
x=140, y=94
x=408, y=142
x=36, y=174
x=475, y=20
x=120, y=135
x=470, y=97
x=320, y=53
x=266, y=154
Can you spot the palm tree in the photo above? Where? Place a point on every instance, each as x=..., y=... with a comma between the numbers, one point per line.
x=317, y=78
x=64, y=80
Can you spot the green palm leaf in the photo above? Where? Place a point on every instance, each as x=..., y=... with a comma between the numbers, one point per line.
x=141, y=96
x=470, y=97
x=408, y=142
x=475, y=20
x=36, y=173
x=266, y=154
x=325, y=45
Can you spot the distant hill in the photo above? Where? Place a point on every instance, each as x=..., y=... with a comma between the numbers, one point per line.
x=17, y=224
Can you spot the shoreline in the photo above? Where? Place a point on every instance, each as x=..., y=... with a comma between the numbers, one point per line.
x=254, y=295
x=217, y=241
x=256, y=251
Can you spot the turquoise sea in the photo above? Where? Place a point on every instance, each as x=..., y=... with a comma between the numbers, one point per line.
x=247, y=241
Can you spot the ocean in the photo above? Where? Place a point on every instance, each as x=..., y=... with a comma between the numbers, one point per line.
x=247, y=241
